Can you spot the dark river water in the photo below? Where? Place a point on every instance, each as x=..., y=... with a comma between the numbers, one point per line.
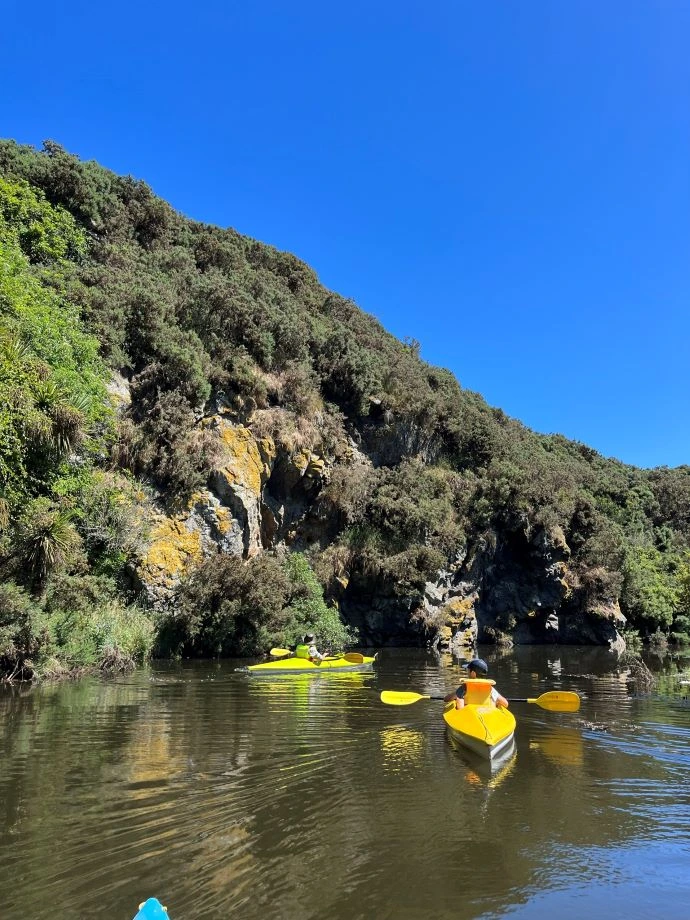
x=304, y=797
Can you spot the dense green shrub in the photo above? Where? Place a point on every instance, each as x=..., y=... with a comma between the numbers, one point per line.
x=650, y=592
x=79, y=625
x=59, y=516
x=228, y=607
x=231, y=607
x=94, y=268
x=45, y=234
x=46, y=543
x=23, y=632
x=108, y=512
x=307, y=611
x=88, y=625
x=51, y=378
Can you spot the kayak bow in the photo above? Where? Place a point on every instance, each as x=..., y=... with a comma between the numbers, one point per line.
x=152, y=909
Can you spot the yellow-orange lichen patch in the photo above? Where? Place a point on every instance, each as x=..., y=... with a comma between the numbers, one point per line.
x=457, y=608
x=267, y=449
x=246, y=462
x=173, y=550
x=224, y=520
x=300, y=460
x=315, y=466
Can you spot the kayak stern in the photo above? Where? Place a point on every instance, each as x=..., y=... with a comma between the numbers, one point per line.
x=484, y=728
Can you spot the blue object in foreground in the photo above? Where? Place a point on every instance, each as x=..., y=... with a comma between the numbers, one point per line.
x=152, y=910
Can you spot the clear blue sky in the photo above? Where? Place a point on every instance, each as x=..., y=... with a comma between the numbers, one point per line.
x=508, y=183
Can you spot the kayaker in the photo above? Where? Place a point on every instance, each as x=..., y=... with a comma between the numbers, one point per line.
x=477, y=668
x=308, y=649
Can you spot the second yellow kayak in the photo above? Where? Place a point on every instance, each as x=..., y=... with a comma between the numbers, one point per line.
x=304, y=666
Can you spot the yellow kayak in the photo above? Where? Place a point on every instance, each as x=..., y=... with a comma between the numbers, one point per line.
x=339, y=663
x=480, y=725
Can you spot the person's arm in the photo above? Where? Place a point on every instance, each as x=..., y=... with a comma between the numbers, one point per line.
x=457, y=696
x=500, y=700
x=315, y=653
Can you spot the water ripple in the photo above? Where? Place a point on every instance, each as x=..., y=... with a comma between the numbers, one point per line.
x=229, y=796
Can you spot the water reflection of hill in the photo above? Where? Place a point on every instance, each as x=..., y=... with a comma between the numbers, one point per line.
x=192, y=771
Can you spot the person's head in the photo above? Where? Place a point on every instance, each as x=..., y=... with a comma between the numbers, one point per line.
x=309, y=638
x=478, y=667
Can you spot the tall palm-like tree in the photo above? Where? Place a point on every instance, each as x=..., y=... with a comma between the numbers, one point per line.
x=46, y=540
x=66, y=422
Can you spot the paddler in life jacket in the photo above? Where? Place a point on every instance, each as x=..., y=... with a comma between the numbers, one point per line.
x=307, y=649
x=477, y=668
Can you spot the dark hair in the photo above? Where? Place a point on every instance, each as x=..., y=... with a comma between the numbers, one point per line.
x=309, y=637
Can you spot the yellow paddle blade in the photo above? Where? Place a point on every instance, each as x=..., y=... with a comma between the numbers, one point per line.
x=401, y=698
x=558, y=701
x=353, y=657
x=279, y=652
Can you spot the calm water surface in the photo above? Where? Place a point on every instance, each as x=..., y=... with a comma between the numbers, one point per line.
x=233, y=796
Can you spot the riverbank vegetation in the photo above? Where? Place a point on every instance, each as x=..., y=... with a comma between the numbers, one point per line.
x=98, y=275
x=67, y=522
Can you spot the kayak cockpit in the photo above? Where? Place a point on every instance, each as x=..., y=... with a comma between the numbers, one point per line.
x=480, y=725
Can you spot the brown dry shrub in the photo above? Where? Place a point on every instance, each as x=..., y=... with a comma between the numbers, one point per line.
x=290, y=431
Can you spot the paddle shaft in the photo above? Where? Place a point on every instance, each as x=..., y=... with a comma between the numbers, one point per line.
x=555, y=701
x=352, y=657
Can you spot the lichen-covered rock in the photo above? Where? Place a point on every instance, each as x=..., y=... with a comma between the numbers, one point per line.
x=297, y=475
x=173, y=550
x=461, y=620
x=119, y=390
x=513, y=583
x=245, y=461
x=179, y=542
x=238, y=481
x=219, y=529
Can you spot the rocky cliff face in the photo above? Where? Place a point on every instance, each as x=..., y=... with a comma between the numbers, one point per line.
x=516, y=586
x=255, y=499
x=506, y=589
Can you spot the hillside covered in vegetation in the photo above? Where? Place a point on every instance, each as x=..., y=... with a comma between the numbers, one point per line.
x=204, y=451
